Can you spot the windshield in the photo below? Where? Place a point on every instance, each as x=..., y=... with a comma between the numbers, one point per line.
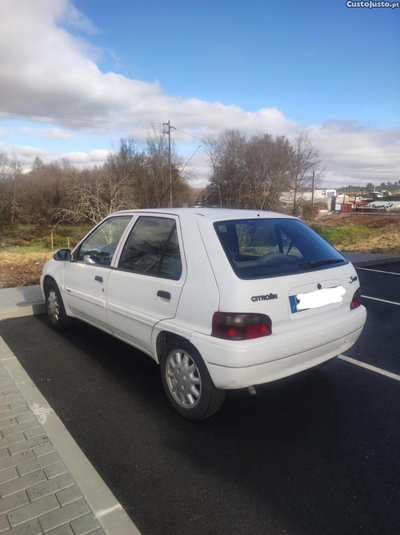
x=261, y=248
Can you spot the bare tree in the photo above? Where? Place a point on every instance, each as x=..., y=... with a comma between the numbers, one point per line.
x=97, y=195
x=306, y=161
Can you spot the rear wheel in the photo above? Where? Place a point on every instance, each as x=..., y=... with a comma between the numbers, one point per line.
x=55, y=307
x=187, y=383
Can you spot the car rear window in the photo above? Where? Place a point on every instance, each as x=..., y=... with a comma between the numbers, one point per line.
x=261, y=248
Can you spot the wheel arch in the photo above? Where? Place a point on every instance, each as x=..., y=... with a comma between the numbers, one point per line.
x=47, y=279
x=164, y=337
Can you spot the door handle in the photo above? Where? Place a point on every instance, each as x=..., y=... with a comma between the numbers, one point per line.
x=165, y=295
x=98, y=278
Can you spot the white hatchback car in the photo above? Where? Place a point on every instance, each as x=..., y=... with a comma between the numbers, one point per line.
x=221, y=299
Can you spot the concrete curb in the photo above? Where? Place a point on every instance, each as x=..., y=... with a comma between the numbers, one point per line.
x=371, y=261
x=20, y=311
x=108, y=511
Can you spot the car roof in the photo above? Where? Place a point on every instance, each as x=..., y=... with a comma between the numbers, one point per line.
x=212, y=214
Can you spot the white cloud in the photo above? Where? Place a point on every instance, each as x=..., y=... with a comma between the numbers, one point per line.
x=48, y=133
x=357, y=155
x=47, y=71
x=81, y=160
x=78, y=20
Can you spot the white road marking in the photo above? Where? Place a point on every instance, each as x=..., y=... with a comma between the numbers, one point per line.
x=379, y=271
x=382, y=300
x=369, y=367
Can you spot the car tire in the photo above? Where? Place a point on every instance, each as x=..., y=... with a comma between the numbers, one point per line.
x=55, y=307
x=187, y=383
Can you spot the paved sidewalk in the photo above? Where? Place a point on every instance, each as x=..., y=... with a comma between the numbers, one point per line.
x=21, y=301
x=47, y=485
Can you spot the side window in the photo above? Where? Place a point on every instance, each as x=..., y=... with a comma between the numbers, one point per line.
x=99, y=247
x=152, y=248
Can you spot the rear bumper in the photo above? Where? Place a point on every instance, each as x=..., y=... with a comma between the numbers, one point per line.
x=234, y=365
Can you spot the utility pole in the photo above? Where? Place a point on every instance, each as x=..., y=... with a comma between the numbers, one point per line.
x=168, y=125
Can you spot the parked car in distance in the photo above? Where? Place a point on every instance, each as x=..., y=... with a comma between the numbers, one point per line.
x=221, y=299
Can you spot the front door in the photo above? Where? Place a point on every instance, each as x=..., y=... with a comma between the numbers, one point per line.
x=86, y=275
x=145, y=286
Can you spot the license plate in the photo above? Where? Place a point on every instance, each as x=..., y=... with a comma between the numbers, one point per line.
x=316, y=299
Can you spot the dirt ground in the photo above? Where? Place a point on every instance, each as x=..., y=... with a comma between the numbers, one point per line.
x=21, y=269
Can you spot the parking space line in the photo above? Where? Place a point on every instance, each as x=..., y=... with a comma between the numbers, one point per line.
x=379, y=271
x=382, y=300
x=369, y=367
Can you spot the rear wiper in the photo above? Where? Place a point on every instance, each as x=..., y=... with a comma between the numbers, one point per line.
x=317, y=263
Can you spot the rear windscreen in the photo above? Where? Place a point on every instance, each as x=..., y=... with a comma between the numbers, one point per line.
x=259, y=248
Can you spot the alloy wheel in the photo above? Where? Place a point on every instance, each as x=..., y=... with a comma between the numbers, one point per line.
x=183, y=378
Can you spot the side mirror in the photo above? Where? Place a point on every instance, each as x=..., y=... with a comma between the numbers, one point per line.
x=62, y=255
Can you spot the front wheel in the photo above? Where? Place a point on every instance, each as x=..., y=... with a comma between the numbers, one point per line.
x=187, y=383
x=55, y=307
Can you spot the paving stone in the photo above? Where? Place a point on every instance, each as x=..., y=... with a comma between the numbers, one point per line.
x=14, y=412
x=6, y=489
x=12, y=396
x=44, y=449
x=33, y=510
x=64, y=515
x=18, y=403
x=63, y=530
x=69, y=495
x=13, y=439
x=55, y=470
x=86, y=524
x=30, y=528
x=13, y=502
x=10, y=393
x=98, y=532
x=50, y=487
x=4, y=523
x=26, y=416
x=6, y=423
x=17, y=448
x=36, y=464
x=6, y=381
x=10, y=430
x=34, y=432
x=16, y=459
x=4, y=453
x=8, y=475
x=4, y=406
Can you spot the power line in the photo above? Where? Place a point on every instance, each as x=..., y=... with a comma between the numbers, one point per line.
x=31, y=117
x=191, y=135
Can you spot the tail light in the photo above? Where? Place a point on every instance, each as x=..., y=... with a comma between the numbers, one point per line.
x=356, y=302
x=231, y=326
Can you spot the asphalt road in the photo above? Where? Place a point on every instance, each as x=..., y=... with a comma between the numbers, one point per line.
x=314, y=454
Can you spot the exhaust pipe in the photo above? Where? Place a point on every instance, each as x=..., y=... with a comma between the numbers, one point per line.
x=251, y=390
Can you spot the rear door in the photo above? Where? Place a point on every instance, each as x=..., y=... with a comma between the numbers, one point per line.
x=86, y=275
x=146, y=283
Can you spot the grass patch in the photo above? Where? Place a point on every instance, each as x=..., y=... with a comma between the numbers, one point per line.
x=37, y=238
x=345, y=235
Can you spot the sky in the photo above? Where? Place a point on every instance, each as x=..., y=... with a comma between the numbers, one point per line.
x=76, y=76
